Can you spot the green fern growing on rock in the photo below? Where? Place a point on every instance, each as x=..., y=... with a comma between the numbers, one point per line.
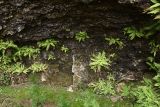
x=115, y=41
x=38, y=67
x=4, y=45
x=155, y=9
x=81, y=36
x=133, y=33
x=64, y=49
x=99, y=61
x=47, y=44
x=17, y=68
x=26, y=51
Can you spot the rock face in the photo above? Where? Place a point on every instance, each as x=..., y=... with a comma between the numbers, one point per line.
x=27, y=21
x=80, y=72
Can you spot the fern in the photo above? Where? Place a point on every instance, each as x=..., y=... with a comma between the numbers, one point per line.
x=133, y=33
x=145, y=95
x=64, y=49
x=6, y=45
x=104, y=87
x=18, y=68
x=154, y=48
x=38, y=67
x=154, y=9
x=81, y=36
x=25, y=51
x=99, y=61
x=47, y=44
x=115, y=41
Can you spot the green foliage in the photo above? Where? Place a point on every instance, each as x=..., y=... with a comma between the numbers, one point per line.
x=64, y=49
x=155, y=9
x=115, y=41
x=154, y=48
x=153, y=65
x=157, y=79
x=89, y=100
x=5, y=60
x=37, y=96
x=126, y=91
x=145, y=95
x=38, y=67
x=99, y=61
x=50, y=57
x=47, y=44
x=5, y=79
x=81, y=36
x=133, y=33
x=104, y=87
x=26, y=51
x=17, y=68
x=6, y=45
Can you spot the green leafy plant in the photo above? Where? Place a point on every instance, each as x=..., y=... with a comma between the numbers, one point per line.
x=115, y=41
x=126, y=91
x=5, y=60
x=153, y=65
x=133, y=33
x=89, y=100
x=4, y=45
x=38, y=67
x=50, y=57
x=5, y=79
x=154, y=48
x=18, y=68
x=37, y=95
x=26, y=51
x=99, y=61
x=64, y=49
x=47, y=44
x=157, y=79
x=104, y=87
x=81, y=36
x=155, y=9
x=145, y=95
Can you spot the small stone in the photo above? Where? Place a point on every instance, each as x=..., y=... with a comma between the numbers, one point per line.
x=115, y=98
x=43, y=78
x=70, y=88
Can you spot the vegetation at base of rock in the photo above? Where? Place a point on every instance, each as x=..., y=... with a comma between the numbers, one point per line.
x=35, y=95
x=104, y=87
